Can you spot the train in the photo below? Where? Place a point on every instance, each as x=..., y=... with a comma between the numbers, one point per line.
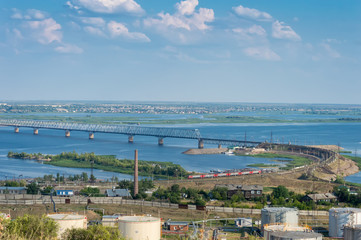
x=224, y=174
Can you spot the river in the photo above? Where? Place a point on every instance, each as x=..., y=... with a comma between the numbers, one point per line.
x=54, y=142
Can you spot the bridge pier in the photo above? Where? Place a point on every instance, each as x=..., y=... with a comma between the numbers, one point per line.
x=219, y=145
x=160, y=141
x=16, y=130
x=130, y=139
x=91, y=136
x=67, y=133
x=36, y=131
x=200, y=144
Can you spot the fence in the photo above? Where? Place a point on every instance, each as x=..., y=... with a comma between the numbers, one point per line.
x=25, y=199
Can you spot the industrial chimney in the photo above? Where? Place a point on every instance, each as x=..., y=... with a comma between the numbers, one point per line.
x=135, y=172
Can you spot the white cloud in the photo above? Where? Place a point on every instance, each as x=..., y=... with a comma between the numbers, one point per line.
x=255, y=30
x=96, y=21
x=262, y=53
x=18, y=33
x=30, y=14
x=118, y=29
x=187, y=7
x=45, y=31
x=94, y=31
x=109, y=6
x=186, y=17
x=252, y=13
x=281, y=31
x=69, y=48
x=330, y=51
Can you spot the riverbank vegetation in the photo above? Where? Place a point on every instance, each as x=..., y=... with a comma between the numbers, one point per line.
x=293, y=160
x=107, y=163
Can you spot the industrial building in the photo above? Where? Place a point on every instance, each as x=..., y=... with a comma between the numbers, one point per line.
x=248, y=191
x=12, y=190
x=279, y=215
x=340, y=217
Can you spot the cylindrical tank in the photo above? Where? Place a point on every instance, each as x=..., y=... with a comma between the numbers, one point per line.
x=352, y=232
x=296, y=236
x=272, y=215
x=68, y=221
x=140, y=227
x=269, y=229
x=339, y=217
x=110, y=220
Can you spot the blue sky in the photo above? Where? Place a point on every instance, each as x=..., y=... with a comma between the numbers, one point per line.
x=299, y=51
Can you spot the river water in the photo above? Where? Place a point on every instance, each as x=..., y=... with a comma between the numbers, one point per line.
x=54, y=142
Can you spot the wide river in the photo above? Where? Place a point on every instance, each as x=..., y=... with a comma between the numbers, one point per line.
x=54, y=142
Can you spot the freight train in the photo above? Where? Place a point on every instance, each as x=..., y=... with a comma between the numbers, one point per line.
x=224, y=174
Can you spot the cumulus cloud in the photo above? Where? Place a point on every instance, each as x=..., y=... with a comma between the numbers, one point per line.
x=117, y=29
x=69, y=48
x=262, y=53
x=186, y=17
x=94, y=31
x=30, y=14
x=252, y=13
x=108, y=6
x=282, y=31
x=45, y=31
x=96, y=21
x=255, y=30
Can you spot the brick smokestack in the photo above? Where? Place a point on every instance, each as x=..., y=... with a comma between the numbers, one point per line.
x=135, y=172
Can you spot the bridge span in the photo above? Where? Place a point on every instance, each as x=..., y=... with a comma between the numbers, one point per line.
x=129, y=130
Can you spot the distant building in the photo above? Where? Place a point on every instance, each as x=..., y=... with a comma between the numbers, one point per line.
x=118, y=193
x=12, y=190
x=248, y=191
x=64, y=193
x=318, y=197
x=177, y=226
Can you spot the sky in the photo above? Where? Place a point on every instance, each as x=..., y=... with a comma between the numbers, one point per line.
x=274, y=51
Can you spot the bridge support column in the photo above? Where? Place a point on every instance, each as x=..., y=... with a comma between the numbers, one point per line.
x=91, y=136
x=36, y=131
x=200, y=144
x=16, y=130
x=219, y=145
x=160, y=141
x=67, y=133
x=130, y=139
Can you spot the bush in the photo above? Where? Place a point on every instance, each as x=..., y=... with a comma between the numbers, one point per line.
x=96, y=232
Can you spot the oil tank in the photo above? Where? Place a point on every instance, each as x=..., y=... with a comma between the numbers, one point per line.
x=268, y=230
x=352, y=232
x=274, y=215
x=68, y=221
x=340, y=217
x=296, y=236
x=140, y=227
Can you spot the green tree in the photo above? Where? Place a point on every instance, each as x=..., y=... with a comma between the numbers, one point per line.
x=280, y=191
x=96, y=232
x=32, y=188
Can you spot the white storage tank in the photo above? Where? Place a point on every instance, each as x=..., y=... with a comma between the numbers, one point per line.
x=274, y=215
x=68, y=221
x=352, y=232
x=340, y=217
x=140, y=227
x=268, y=230
x=296, y=236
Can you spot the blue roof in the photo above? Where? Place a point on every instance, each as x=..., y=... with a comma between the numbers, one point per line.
x=12, y=188
x=60, y=192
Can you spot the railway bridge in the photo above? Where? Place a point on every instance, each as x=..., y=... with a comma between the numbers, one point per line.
x=129, y=130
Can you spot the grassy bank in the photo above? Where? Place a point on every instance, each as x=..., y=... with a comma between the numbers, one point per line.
x=357, y=160
x=107, y=163
x=294, y=161
x=262, y=165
